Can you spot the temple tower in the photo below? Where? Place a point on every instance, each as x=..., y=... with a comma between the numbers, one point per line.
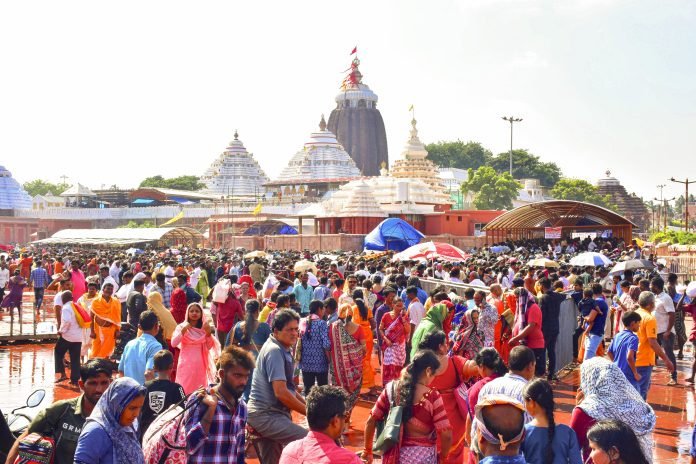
x=358, y=124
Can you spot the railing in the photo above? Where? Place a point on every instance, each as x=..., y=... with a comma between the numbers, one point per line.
x=567, y=319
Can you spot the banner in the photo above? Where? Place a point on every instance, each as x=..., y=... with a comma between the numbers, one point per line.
x=553, y=232
x=174, y=219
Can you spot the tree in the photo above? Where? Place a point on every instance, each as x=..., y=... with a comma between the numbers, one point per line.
x=491, y=190
x=134, y=225
x=581, y=190
x=459, y=154
x=179, y=183
x=42, y=187
x=526, y=165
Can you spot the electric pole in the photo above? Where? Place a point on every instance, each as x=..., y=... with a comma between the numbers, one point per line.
x=686, y=183
x=511, y=120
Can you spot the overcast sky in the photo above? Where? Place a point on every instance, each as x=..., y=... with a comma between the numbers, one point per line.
x=112, y=92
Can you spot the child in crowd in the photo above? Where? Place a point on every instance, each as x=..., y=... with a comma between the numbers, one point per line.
x=624, y=347
x=161, y=391
x=542, y=430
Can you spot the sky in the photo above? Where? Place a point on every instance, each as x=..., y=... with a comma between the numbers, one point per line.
x=112, y=92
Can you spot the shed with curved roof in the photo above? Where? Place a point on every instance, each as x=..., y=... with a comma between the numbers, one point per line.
x=529, y=221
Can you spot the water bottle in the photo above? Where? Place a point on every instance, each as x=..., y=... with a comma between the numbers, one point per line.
x=688, y=350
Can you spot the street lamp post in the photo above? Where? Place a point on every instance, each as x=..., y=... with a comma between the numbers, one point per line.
x=511, y=120
x=686, y=183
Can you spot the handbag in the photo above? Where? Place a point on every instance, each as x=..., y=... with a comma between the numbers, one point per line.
x=390, y=433
x=461, y=394
x=35, y=449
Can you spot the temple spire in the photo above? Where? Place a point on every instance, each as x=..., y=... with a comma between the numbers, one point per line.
x=236, y=135
x=322, y=124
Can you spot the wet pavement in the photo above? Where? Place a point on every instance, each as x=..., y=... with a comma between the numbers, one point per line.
x=25, y=367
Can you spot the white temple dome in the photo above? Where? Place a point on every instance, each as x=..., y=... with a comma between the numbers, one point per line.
x=322, y=157
x=235, y=172
x=608, y=180
x=12, y=195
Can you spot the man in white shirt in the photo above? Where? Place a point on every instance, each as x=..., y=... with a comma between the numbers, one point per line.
x=169, y=271
x=4, y=278
x=361, y=271
x=592, y=246
x=665, y=315
x=195, y=275
x=69, y=341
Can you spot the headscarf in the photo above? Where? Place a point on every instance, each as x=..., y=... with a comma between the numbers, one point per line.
x=166, y=320
x=431, y=322
x=468, y=341
x=524, y=301
x=250, y=281
x=492, y=400
x=107, y=413
x=198, y=337
x=609, y=395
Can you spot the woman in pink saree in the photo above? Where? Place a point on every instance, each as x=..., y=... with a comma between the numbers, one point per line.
x=199, y=350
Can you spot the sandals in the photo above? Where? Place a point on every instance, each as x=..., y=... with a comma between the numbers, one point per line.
x=61, y=379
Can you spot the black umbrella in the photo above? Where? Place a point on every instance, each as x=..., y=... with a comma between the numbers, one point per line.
x=632, y=265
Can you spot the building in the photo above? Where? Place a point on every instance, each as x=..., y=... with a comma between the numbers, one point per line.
x=411, y=191
x=12, y=198
x=414, y=163
x=156, y=196
x=47, y=201
x=358, y=124
x=321, y=166
x=235, y=173
x=630, y=206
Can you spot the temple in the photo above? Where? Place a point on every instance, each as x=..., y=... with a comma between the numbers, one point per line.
x=358, y=124
x=630, y=206
x=235, y=173
x=411, y=191
x=12, y=195
x=322, y=165
x=415, y=165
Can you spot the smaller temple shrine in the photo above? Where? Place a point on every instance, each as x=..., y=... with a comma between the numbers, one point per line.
x=630, y=206
x=414, y=163
x=12, y=195
x=321, y=166
x=235, y=173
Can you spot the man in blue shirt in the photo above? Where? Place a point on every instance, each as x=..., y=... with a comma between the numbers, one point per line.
x=39, y=279
x=304, y=294
x=414, y=282
x=138, y=359
x=624, y=347
x=322, y=291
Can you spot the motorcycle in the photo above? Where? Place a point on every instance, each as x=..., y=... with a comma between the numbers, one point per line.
x=19, y=421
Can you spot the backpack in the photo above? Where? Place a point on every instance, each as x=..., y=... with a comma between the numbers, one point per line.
x=221, y=291
x=165, y=440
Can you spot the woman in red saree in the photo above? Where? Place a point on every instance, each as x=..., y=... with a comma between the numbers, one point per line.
x=424, y=416
x=199, y=351
x=346, y=356
x=394, y=329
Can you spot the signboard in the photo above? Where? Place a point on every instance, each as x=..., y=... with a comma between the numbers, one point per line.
x=553, y=232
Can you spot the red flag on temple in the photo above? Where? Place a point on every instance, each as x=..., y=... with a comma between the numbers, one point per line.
x=355, y=50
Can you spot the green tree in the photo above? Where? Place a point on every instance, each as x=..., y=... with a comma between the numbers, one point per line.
x=42, y=187
x=179, y=183
x=581, y=190
x=134, y=225
x=459, y=154
x=491, y=190
x=526, y=165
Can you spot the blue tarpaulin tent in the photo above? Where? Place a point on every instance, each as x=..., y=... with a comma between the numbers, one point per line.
x=392, y=234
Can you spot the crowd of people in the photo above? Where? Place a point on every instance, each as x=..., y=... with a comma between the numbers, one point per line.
x=239, y=343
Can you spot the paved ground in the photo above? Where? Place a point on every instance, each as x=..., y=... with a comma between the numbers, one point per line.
x=27, y=367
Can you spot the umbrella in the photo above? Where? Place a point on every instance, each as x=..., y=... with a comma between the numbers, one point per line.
x=500, y=249
x=432, y=250
x=590, y=258
x=305, y=265
x=542, y=262
x=691, y=289
x=631, y=265
x=256, y=254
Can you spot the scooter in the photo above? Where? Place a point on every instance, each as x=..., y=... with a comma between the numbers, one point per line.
x=19, y=421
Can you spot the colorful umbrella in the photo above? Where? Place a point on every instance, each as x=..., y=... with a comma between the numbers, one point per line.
x=590, y=258
x=432, y=250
